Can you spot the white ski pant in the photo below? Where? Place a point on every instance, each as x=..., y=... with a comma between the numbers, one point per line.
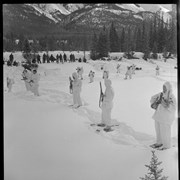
x=34, y=89
x=106, y=116
x=163, y=134
x=27, y=86
x=77, y=98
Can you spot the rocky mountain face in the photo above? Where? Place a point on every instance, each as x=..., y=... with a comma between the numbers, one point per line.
x=54, y=18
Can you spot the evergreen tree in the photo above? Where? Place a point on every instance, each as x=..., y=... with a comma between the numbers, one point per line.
x=113, y=39
x=103, y=44
x=122, y=40
x=26, y=47
x=154, y=173
x=138, y=40
x=94, y=42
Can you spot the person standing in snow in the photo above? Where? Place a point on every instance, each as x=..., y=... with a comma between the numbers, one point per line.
x=10, y=82
x=91, y=76
x=26, y=77
x=76, y=90
x=107, y=105
x=34, y=82
x=118, y=68
x=157, y=70
x=128, y=73
x=133, y=69
x=70, y=85
x=164, y=116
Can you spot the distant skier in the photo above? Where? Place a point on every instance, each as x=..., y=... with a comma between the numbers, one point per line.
x=128, y=73
x=76, y=86
x=164, y=116
x=118, y=68
x=133, y=69
x=10, y=82
x=38, y=59
x=91, y=76
x=157, y=70
x=34, y=82
x=70, y=85
x=107, y=105
x=26, y=77
x=65, y=57
x=44, y=58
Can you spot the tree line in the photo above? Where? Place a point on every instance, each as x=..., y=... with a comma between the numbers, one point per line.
x=151, y=36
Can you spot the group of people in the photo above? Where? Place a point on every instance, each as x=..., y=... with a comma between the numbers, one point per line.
x=164, y=110
x=31, y=80
x=164, y=114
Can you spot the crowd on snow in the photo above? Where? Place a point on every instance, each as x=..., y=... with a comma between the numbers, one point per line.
x=164, y=103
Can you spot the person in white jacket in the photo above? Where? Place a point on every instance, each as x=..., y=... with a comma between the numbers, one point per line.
x=128, y=73
x=91, y=76
x=107, y=105
x=10, y=82
x=76, y=90
x=164, y=117
x=26, y=77
x=34, y=82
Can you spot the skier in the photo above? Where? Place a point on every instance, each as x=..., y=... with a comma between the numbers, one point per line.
x=70, y=85
x=107, y=105
x=157, y=70
x=10, y=82
x=118, y=68
x=26, y=77
x=76, y=86
x=34, y=82
x=91, y=76
x=164, y=116
x=128, y=73
x=133, y=69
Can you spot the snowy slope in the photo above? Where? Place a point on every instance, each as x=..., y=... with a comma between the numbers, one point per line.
x=46, y=139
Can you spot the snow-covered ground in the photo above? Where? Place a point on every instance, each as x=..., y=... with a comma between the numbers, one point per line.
x=46, y=139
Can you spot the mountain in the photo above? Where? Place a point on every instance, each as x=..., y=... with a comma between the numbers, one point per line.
x=56, y=18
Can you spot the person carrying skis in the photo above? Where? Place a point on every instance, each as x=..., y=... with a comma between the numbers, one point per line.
x=164, y=116
x=34, y=82
x=91, y=76
x=157, y=70
x=26, y=77
x=107, y=105
x=76, y=90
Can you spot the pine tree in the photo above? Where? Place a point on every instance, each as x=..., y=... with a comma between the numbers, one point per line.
x=154, y=173
x=113, y=39
x=103, y=44
x=94, y=42
x=122, y=40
